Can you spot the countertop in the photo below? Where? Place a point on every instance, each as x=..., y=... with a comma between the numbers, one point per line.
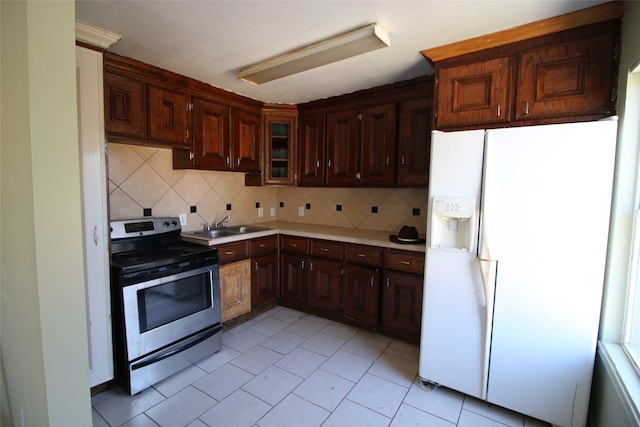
x=339, y=234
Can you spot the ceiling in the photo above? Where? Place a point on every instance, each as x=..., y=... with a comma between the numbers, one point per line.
x=211, y=40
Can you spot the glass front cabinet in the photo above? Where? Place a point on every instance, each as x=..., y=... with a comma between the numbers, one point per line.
x=280, y=146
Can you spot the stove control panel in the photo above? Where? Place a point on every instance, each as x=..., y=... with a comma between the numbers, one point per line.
x=147, y=226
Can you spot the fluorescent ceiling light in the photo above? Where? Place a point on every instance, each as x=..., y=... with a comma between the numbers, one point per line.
x=346, y=45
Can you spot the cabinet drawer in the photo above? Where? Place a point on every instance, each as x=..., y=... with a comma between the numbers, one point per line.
x=263, y=245
x=326, y=248
x=293, y=244
x=233, y=251
x=411, y=262
x=363, y=254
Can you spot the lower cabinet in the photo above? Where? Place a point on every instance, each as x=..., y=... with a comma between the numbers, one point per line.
x=361, y=294
x=365, y=286
x=235, y=289
x=264, y=277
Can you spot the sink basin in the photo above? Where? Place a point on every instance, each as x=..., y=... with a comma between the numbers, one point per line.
x=219, y=232
x=242, y=229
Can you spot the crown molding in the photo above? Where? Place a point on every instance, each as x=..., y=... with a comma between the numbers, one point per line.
x=95, y=36
x=591, y=15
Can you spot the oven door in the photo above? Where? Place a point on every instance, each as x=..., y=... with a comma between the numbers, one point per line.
x=162, y=311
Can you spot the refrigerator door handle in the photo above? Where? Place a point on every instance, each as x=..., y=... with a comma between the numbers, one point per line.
x=488, y=269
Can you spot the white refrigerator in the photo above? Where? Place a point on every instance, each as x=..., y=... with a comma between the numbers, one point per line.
x=517, y=231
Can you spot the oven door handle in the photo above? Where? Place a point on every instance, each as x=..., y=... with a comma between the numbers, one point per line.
x=194, y=340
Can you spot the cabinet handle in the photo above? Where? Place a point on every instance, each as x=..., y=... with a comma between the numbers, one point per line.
x=362, y=255
x=403, y=160
x=238, y=161
x=228, y=160
x=526, y=108
x=186, y=134
x=499, y=112
x=292, y=245
x=372, y=279
x=256, y=265
x=358, y=176
x=302, y=266
x=387, y=160
x=311, y=266
x=387, y=282
x=262, y=245
x=317, y=164
x=405, y=262
x=329, y=163
x=324, y=249
x=230, y=252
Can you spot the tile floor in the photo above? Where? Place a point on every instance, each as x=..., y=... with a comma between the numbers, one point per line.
x=285, y=368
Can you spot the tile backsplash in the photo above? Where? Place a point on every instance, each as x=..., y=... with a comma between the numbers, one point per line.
x=143, y=178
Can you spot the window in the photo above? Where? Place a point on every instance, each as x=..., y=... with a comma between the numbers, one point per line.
x=631, y=319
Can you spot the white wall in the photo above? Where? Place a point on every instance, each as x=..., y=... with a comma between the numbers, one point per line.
x=43, y=351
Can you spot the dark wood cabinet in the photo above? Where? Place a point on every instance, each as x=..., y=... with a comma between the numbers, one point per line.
x=361, y=294
x=124, y=107
x=566, y=76
x=294, y=286
x=168, y=116
x=378, y=146
x=211, y=134
x=246, y=141
x=414, y=142
x=264, y=278
x=207, y=127
x=311, y=145
x=325, y=280
x=342, y=148
x=280, y=146
x=402, y=303
x=474, y=93
x=571, y=78
x=372, y=138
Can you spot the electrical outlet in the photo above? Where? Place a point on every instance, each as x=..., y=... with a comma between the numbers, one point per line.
x=183, y=219
x=301, y=211
x=260, y=212
x=272, y=212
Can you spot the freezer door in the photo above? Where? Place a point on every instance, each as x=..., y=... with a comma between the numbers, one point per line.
x=454, y=309
x=550, y=196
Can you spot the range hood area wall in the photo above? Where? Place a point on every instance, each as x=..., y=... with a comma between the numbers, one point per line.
x=143, y=178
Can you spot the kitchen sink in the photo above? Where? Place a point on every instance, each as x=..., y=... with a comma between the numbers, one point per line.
x=218, y=232
x=226, y=231
x=242, y=229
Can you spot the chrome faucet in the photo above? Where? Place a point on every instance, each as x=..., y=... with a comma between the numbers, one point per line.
x=221, y=223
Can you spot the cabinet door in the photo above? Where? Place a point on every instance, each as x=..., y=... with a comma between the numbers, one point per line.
x=377, y=145
x=360, y=296
x=565, y=79
x=324, y=284
x=168, y=117
x=279, y=150
x=211, y=137
x=294, y=282
x=235, y=289
x=342, y=145
x=474, y=93
x=124, y=106
x=414, y=142
x=402, y=303
x=246, y=141
x=264, y=278
x=311, y=148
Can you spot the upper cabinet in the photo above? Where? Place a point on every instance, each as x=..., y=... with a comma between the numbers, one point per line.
x=280, y=144
x=374, y=138
x=568, y=75
x=207, y=127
